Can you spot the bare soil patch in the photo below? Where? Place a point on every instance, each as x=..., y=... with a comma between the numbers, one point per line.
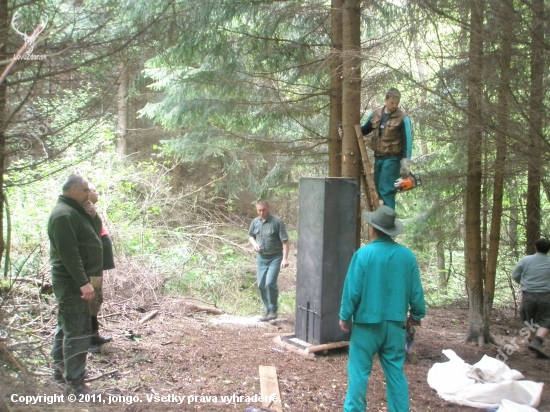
x=188, y=353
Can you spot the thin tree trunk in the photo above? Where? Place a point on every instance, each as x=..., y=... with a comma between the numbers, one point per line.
x=351, y=93
x=503, y=120
x=122, y=104
x=474, y=274
x=536, y=113
x=421, y=67
x=335, y=122
x=4, y=27
x=441, y=268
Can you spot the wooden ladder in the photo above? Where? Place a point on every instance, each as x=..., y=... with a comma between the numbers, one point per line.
x=367, y=177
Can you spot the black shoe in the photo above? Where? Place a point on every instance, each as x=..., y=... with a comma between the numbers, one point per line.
x=536, y=346
x=100, y=340
x=94, y=349
x=58, y=375
x=269, y=316
x=78, y=387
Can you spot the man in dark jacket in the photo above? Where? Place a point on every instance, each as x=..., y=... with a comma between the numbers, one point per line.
x=75, y=256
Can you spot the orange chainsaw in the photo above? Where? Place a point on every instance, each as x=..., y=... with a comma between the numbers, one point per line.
x=407, y=183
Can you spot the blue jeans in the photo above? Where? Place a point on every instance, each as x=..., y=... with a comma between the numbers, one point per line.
x=387, y=339
x=268, y=272
x=386, y=172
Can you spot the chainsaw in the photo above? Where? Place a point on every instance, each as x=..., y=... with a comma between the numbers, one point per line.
x=407, y=183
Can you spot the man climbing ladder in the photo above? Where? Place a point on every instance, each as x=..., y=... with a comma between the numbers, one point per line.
x=392, y=145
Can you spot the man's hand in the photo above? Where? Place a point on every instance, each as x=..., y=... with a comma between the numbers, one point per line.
x=87, y=292
x=345, y=325
x=413, y=321
x=405, y=167
x=89, y=207
x=284, y=263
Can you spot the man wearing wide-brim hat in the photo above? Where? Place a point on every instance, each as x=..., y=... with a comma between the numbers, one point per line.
x=382, y=285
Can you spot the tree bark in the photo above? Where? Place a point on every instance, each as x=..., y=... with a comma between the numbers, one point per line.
x=474, y=274
x=122, y=104
x=351, y=93
x=505, y=12
x=536, y=115
x=441, y=270
x=335, y=122
x=4, y=27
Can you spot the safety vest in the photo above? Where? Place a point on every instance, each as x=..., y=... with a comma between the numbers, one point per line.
x=390, y=142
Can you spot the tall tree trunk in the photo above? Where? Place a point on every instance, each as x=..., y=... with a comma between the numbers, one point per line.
x=4, y=26
x=421, y=67
x=505, y=14
x=122, y=104
x=351, y=93
x=441, y=270
x=536, y=113
x=335, y=122
x=474, y=274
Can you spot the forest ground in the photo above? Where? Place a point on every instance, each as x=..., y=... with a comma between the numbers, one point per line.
x=180, y=352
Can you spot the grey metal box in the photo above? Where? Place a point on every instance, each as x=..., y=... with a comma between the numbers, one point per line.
x=327, y=233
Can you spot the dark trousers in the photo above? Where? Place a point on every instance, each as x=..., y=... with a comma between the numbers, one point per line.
x=74, y=330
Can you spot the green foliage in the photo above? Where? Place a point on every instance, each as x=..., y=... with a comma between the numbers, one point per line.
x=245, y=86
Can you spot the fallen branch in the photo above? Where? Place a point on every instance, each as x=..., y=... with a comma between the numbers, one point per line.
x=110, y=315
x=273, y=334
x=149, y=316
x=8, y=358
x=198, y=308
x=95, y=378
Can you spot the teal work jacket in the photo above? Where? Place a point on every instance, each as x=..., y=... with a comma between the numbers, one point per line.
x=382, y=284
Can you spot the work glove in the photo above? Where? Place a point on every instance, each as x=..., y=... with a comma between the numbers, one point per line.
x=405, y=167
x=412, y=321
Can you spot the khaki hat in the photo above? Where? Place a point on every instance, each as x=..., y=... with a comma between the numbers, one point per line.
x=385, y=220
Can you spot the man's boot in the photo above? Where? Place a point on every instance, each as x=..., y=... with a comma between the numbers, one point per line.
x=98, y=340
x=80, y=388
x=268, y=317
x=536, y=346
x=58, y=374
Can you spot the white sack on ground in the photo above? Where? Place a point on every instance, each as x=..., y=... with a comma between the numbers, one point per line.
x=509, y=406
x=483, y=385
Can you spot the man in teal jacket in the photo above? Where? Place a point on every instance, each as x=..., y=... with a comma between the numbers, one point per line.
x=382, y=285
x=76, y=254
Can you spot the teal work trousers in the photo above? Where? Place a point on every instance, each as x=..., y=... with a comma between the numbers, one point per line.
x=386, y=172
x=387, y=339
x=269, y=267
x=74, y=329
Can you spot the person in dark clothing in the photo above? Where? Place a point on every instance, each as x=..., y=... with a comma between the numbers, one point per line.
x=76, y=255
x=97, y=281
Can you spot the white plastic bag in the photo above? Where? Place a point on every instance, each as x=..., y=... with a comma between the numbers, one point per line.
x=500, y=383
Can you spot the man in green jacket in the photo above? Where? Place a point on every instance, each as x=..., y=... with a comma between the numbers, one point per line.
x=75, y=256
x=382, y=285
